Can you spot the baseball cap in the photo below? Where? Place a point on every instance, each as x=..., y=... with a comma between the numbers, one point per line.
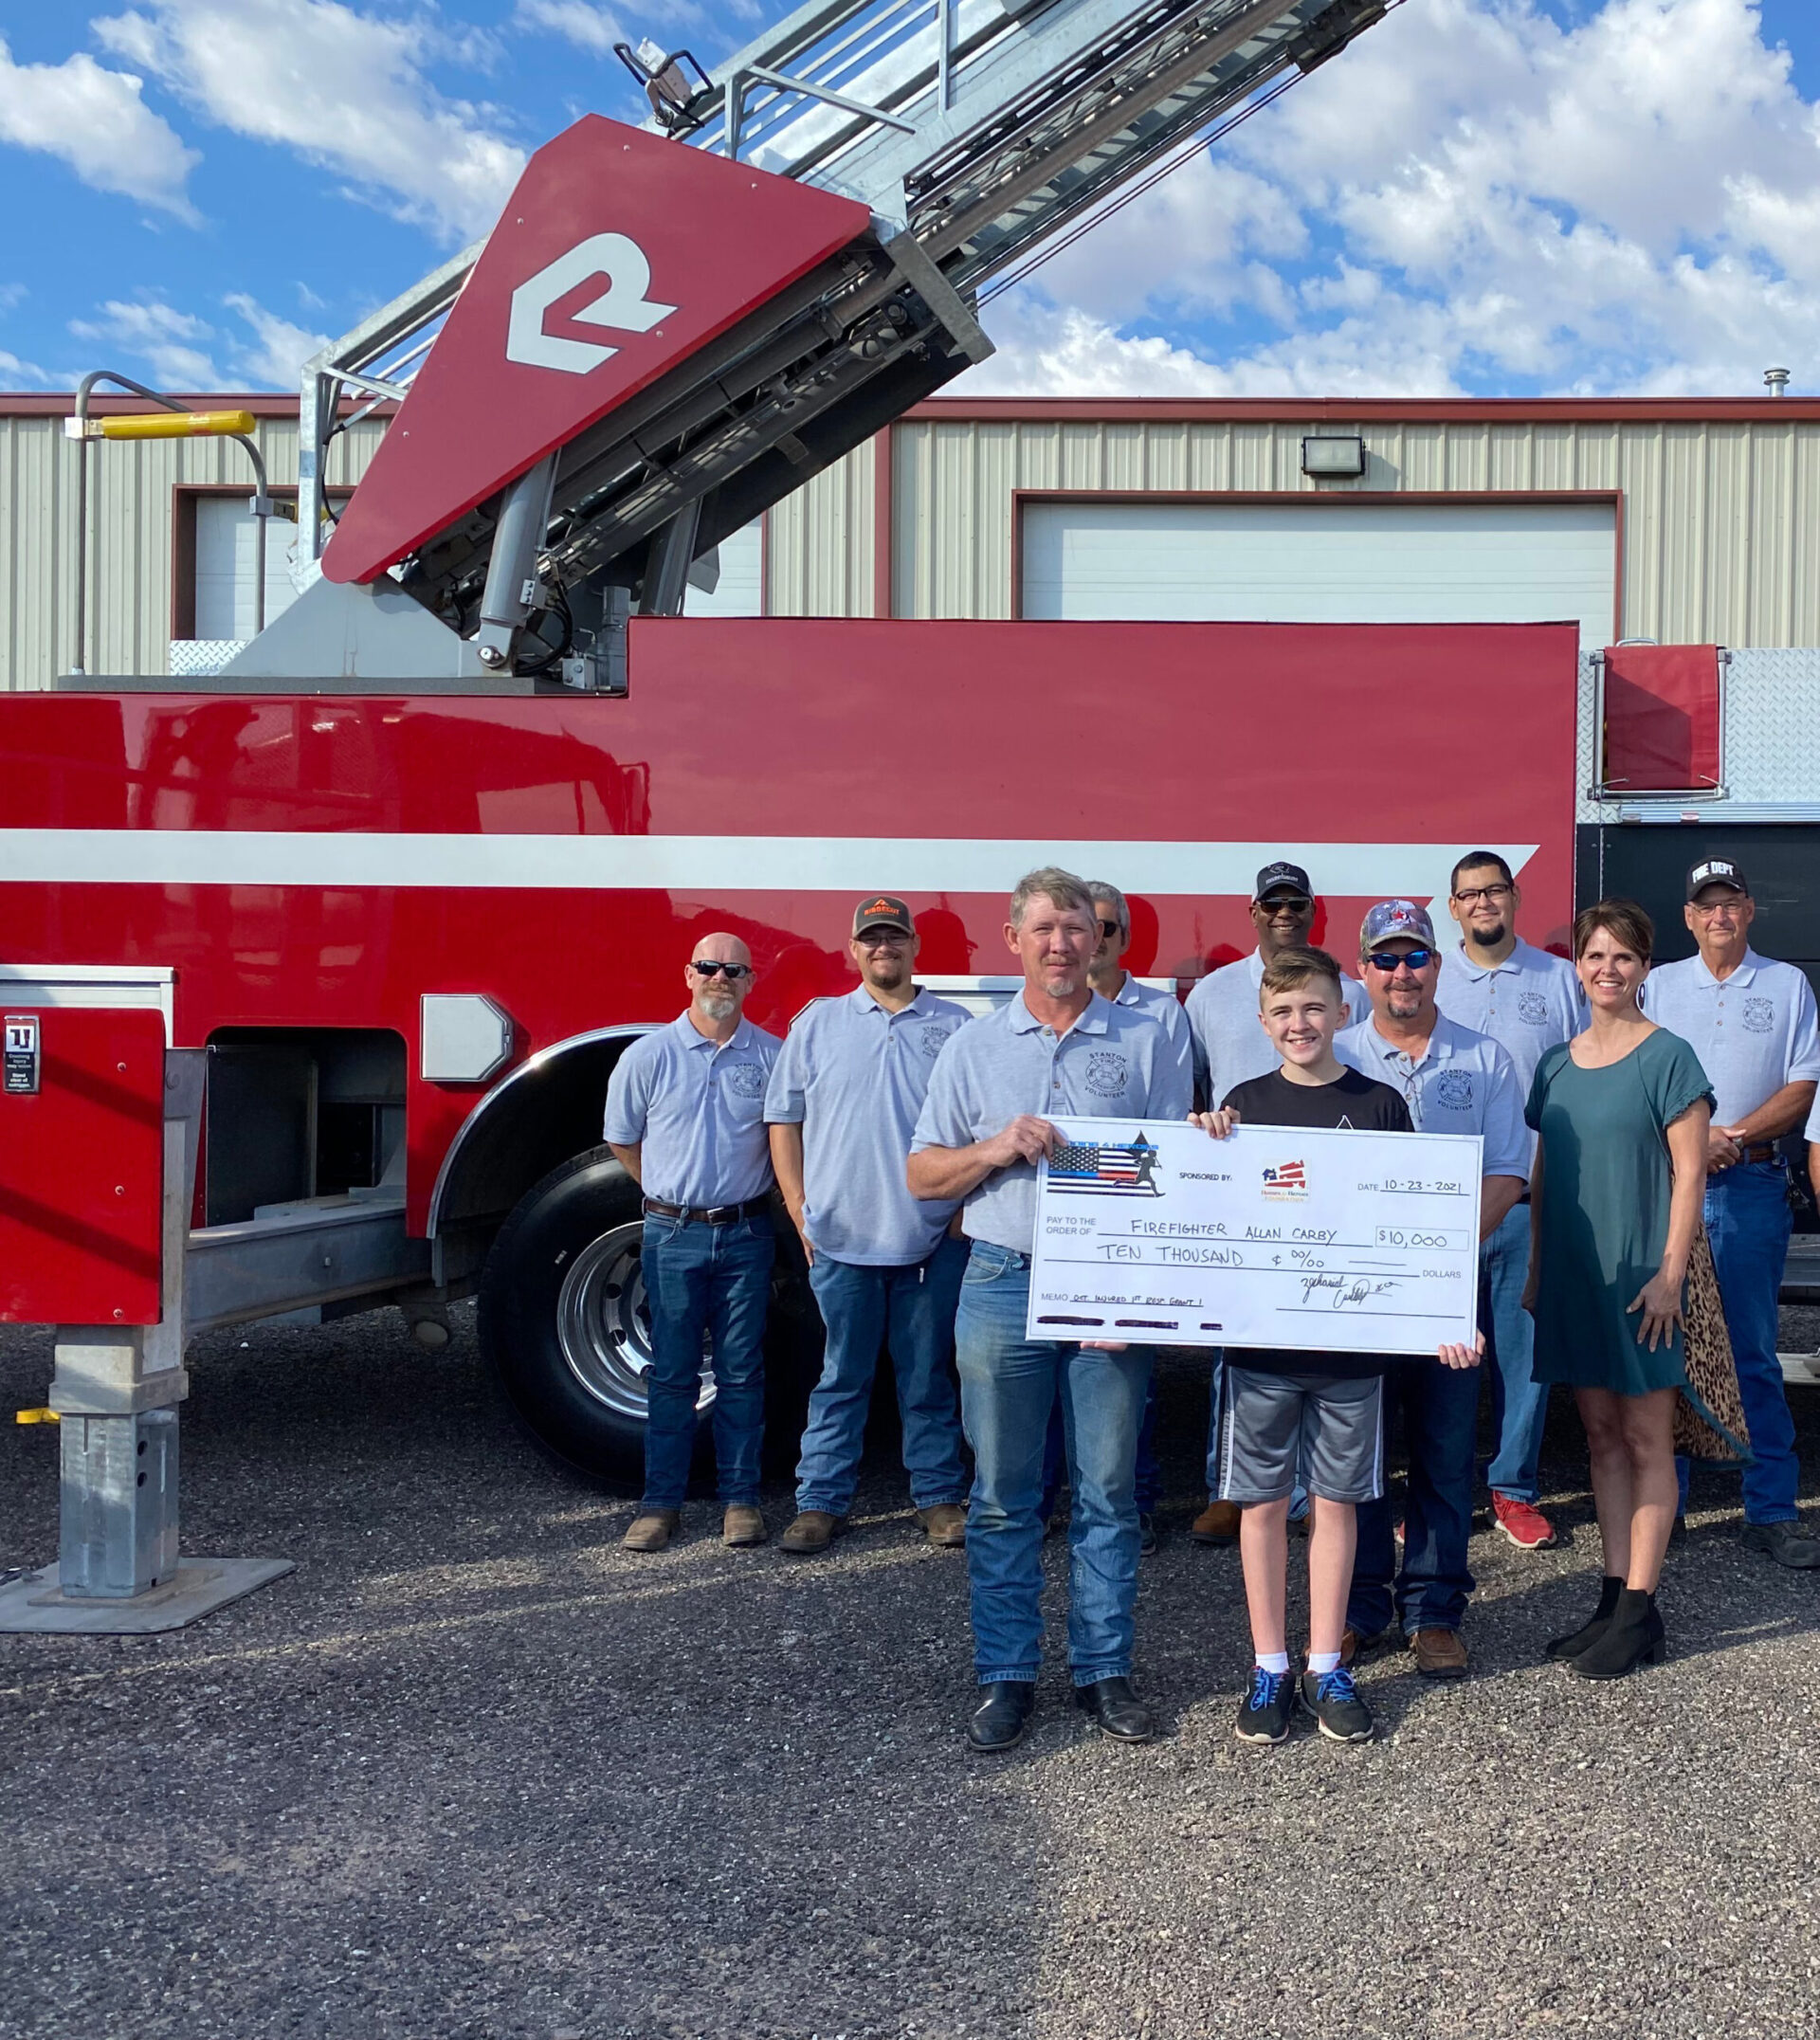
x=1273, y=878
x=1392, y=918
x=1715, y=871
x=878, y=910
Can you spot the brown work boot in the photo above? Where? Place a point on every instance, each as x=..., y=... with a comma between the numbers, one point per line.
x=1217, y=1524
x=1439, y=1654
x=945, y=1526
x=742, y=1525
x=652, y=1530
x=811, y=1530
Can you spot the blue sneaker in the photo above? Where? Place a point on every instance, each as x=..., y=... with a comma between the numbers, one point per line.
x=1269, y=1704
x=1333, y=1699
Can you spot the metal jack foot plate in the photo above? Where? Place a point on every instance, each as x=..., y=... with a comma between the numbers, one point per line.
x=36, y=1605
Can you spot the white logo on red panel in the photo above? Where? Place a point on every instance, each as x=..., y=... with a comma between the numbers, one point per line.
x=622, y=307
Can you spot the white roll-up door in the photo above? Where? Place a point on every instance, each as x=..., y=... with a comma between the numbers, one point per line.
x=1327, y=561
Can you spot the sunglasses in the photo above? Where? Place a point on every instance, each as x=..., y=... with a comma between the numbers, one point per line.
x=708, y=968
x=1286, y=903
x=1416, y=958
x=882, y=938
x=1111, y=930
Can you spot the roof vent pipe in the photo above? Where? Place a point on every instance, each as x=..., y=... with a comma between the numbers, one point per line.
x=1778, y=380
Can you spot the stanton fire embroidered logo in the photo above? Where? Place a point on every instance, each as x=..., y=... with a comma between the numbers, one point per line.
x=1286, y=1183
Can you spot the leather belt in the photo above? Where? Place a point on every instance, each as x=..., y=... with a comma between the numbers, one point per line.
x=1759, y=1151
x=713, y=1214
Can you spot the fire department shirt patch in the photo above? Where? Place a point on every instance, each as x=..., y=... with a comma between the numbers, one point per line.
x=1532, y=1009
x=1453, y=1090
x=1107, y=1074
x=746, y=1080
x=930, y=1039
x=1759, y=1016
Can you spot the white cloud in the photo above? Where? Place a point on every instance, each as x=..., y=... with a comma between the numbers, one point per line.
x=1472, y=195
x=344, y=89
x=17, y=371
x=149, y=332
x=97, y=122
x=279, y=348
x=579, y=22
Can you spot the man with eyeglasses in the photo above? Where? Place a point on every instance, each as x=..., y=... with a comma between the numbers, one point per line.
x=1751, y=1022
x=1454, y=1082
x=1232, y=1047
x=1526, y=1000
x=686, y=1117
x=842, y=1106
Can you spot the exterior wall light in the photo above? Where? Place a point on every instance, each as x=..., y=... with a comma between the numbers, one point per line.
x=1333, y=457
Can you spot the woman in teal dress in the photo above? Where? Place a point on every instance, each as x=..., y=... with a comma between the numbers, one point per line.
x=1621, y=1112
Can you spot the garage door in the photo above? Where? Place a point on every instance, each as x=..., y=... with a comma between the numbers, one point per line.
x=1322, y=562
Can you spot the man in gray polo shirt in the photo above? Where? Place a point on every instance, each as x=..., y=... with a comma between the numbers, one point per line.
x=1526, y=1000
x=842, y=1106
x=1453, y=1081
x=1230, y=1047
x=1057, y=1047
x=686, y=1117
x=1751, y=1022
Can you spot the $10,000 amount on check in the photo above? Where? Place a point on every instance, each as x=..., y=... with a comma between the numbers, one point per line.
x=1277, y=1237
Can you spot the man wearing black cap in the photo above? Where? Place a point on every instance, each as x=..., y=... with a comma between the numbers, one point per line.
x=842, y=1104
x=1232, y=1047
x=1752, y=1024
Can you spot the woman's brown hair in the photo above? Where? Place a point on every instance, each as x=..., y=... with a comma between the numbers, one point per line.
x=1622, y=918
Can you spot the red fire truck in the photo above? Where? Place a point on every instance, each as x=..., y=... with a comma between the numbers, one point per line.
x=318, y=968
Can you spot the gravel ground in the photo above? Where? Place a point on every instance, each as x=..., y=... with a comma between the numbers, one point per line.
x=472, y=1773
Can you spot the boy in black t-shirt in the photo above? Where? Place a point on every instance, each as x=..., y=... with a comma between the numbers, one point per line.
x=1320, y=1409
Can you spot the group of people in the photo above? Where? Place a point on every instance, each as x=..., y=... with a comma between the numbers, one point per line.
x=1627, y=1118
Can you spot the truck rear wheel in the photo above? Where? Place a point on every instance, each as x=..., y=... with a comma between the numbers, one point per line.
x=565, y=1323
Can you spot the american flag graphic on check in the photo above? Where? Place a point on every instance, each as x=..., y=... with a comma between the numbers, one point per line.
x=1118, y=1172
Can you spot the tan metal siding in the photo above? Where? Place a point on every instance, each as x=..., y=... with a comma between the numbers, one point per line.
x=818, y=542
x=1721, y=520
x=129, y=563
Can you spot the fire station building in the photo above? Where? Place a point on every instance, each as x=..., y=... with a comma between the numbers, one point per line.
x=1689, y=520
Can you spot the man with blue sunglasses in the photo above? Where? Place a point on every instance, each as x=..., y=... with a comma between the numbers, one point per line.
x=1453, y=1081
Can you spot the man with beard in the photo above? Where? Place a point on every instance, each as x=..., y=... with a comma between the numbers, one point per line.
x=686, y=1117
x=1057, y=1047
x=1526, y=1000
x=1232, y=1047
x=1453, y=1081
x=842, y=1106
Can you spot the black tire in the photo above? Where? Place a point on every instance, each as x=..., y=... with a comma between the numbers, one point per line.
x=563, y=1323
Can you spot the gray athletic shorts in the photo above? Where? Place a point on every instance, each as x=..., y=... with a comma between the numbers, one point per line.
x=1326, y=1429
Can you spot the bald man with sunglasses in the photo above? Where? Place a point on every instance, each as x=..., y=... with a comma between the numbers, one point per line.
x=686, y=1117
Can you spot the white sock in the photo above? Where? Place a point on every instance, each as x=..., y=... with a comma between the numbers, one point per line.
x=1277, y=1661
x=1321, y=1661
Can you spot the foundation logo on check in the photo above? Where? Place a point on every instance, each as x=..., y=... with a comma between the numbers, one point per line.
x=1287, y=1182
x=1127, y=1170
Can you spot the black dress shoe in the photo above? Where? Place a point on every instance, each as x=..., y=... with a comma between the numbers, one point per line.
x=1002, y=1715
x=1118, y=1709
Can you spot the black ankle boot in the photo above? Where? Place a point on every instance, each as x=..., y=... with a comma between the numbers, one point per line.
x=1588, y=1633
x=1635, y=1634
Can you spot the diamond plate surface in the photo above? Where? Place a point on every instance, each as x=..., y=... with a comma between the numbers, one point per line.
x=1772, y=725
x=195, y=658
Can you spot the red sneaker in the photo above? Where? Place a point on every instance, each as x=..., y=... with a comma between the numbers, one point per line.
x=1522, y=1522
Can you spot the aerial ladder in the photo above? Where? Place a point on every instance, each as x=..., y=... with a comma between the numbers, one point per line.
x=792, y=251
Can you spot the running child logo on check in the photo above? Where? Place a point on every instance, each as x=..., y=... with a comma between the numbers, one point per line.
x=1286, y=1183
x=1117, y=1172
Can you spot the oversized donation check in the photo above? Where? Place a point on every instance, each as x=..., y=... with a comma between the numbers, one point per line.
x=1276, y=1236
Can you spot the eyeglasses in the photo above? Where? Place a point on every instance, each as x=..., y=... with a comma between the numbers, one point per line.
x=1471, y=894
x=1286, y=903
x=882, y=939
x=1708, y=908
x=707, y=967
x=1111, y=930
x=1417, y=959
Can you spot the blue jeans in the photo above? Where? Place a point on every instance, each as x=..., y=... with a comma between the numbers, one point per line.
x=1007, y=1387
x=716, y=1279
x=1747, y=1220
x=1149, y=1479
x=1440, y=1411
x=912, y=1308
x=1519, y=1401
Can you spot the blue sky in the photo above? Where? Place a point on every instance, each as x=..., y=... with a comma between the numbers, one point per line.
x=1489, y=196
